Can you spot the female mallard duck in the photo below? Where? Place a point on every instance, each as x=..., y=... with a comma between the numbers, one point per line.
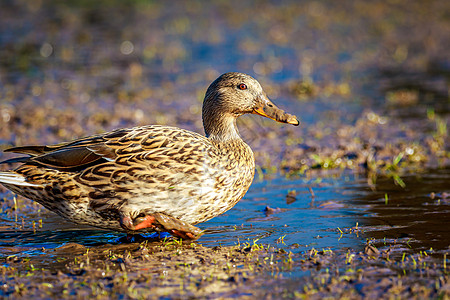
x=151, y=178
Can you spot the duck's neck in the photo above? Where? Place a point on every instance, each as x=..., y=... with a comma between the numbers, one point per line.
x=220, y=127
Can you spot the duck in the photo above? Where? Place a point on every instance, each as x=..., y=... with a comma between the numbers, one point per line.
x=150, y=178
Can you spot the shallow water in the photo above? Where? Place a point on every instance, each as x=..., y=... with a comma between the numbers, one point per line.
x=341, y=213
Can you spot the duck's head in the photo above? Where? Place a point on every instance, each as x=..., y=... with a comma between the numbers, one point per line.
x=232, y=95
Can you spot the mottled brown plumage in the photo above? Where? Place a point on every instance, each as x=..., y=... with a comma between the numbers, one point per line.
x=150, y=178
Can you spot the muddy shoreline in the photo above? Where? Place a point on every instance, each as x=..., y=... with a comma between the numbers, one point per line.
x=178, y=270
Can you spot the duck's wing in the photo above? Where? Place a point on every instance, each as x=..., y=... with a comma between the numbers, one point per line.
x=83, y=153
x=72, y=156
x=86, y=141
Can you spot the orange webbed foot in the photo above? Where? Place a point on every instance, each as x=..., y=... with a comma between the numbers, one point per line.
x=145, y=222
x=161, y=222
x=183, y=235
x=139, y=223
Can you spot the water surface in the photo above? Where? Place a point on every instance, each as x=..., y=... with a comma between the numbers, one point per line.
x=337, y=212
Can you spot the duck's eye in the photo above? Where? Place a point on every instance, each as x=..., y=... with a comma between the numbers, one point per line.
x=242, y=86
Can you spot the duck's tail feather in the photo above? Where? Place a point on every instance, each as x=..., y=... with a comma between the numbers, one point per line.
x=15, y=179
x=30, y=150
x=16, y=160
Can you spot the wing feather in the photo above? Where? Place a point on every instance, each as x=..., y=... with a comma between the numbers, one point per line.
x=117, y=145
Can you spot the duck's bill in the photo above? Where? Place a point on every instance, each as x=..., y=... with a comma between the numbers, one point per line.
x=271, y=111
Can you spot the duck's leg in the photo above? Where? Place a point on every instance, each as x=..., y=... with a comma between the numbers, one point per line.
x=163, y=222
x=143, y=222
